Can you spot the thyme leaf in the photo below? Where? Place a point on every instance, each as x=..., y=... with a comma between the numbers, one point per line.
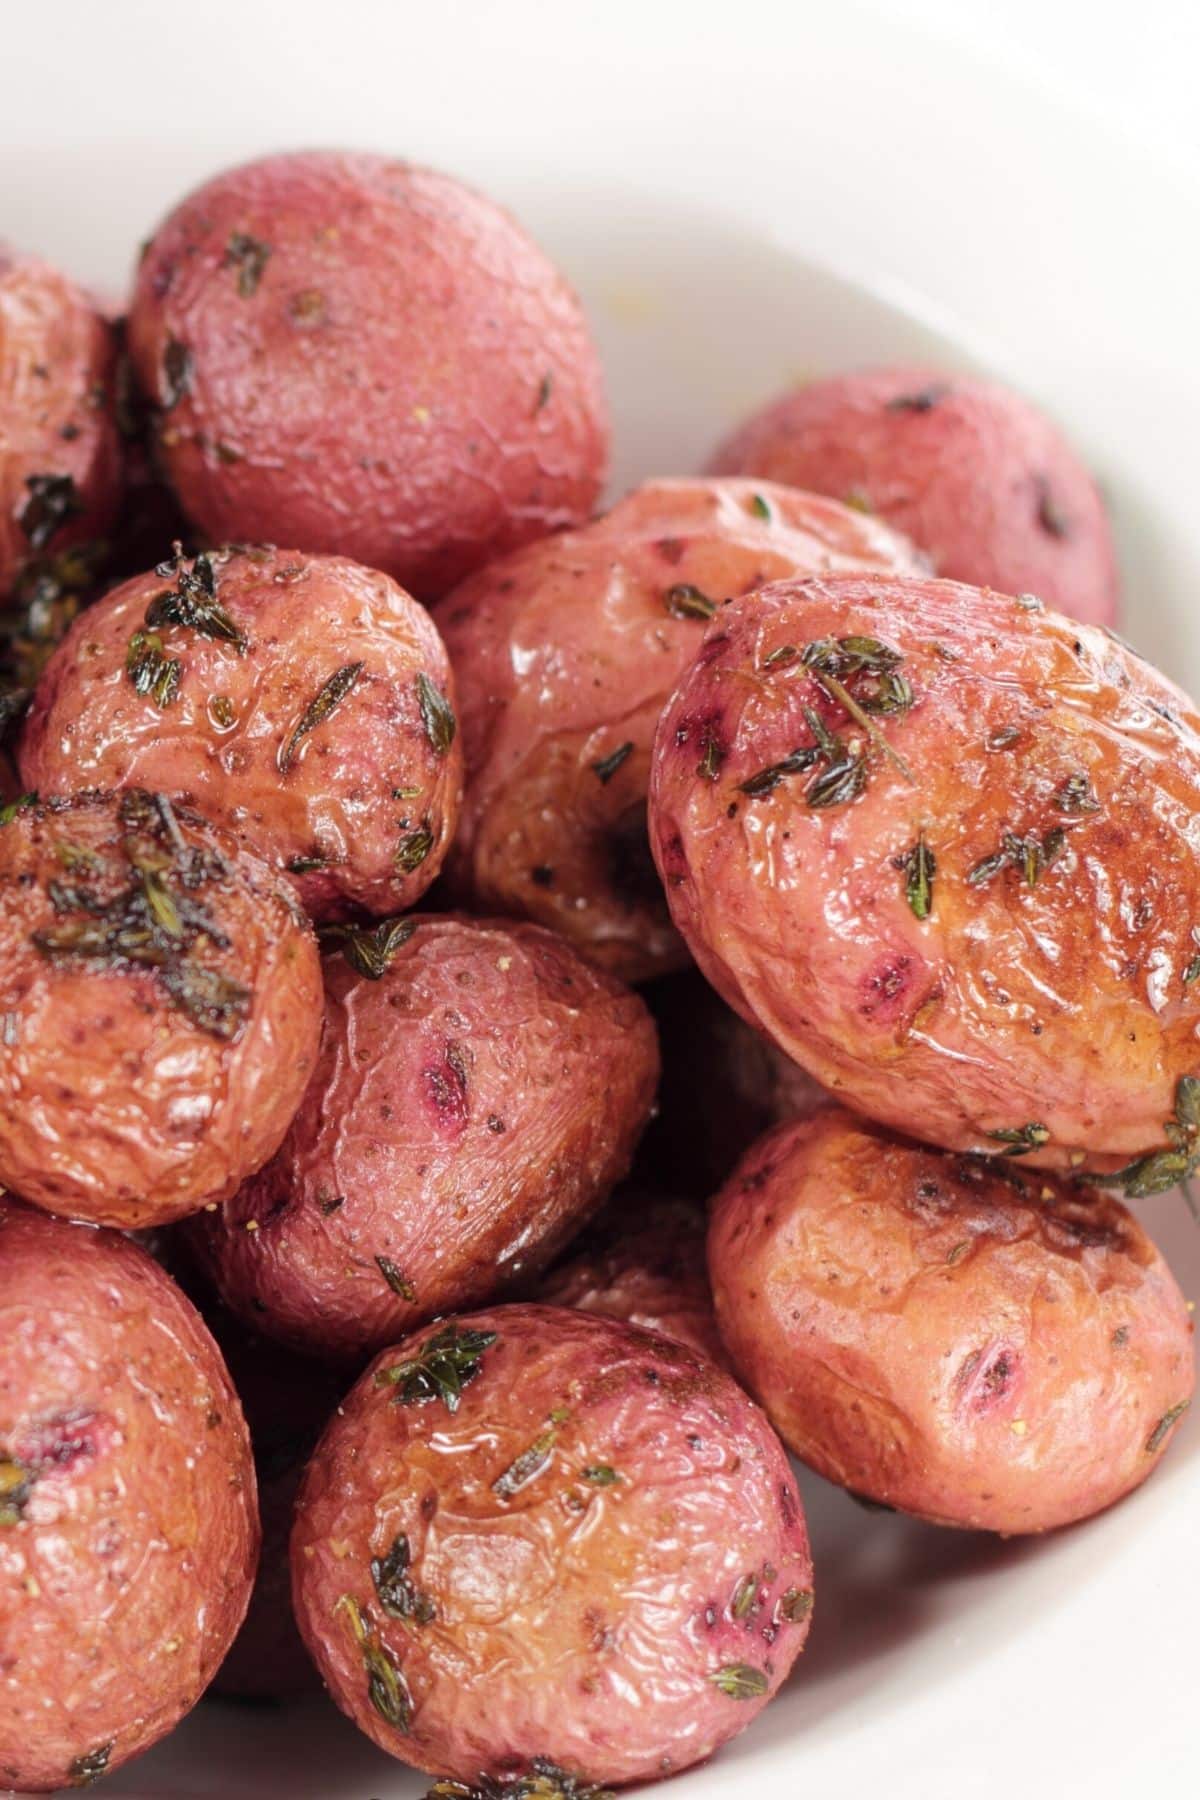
x=398, y=1596
x=1159, y=1435
x=765, y=781
x=526, y=1467
x=606, y=766
x=919, y=866
x=414, y=847
x=684, y=601
x=369, y=949
x=544, y=1781
x=387, y=1689
x=396, y=1278
x=192, y=602
x=150, y=671
x=9, y=811
x=324, y=702
x=796, y=1605
x=740, y=1681
x=1075, y=795
x=601, y=1475
x=444, y=1365
x=16, y=1485
x=437, y=715
x=760, y=506
x=1162, y=1169
x=1021, y=1139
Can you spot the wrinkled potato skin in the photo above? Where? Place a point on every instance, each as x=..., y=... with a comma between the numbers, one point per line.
x=940, y=1340
x=127, y=1572
x=980, y=478
x=470, y=1110
x=565, y=652
x=1061, y=1004
x=575, y=1622
x=303, y=619
x=114, y=1106
x=57, y=358
x=644, y=1262
x=409, y=381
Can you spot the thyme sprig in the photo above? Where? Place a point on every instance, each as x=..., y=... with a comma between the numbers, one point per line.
x=444, y=1365
x=1162, y=1169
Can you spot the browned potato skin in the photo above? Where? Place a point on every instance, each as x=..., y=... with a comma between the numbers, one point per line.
x=982, y=1346
x=57, y=356
x=566, y=653
x=367, y=794
x=578, y=1620
x=127, y=1567
x=469, y=1110
x=644, y=1261
x=115, y=1106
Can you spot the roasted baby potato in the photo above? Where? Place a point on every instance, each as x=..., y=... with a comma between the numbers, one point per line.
x=975, y=1342
x=970, y=471
x=479, y=1092
x=355, y=355
x=533, y=1541
x=303, y=701
x=939, y=844
x=565, y=655
x=60, y=464
x=160, y=1006
x=128, y=1524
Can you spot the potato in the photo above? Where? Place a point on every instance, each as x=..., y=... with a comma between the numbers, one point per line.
x=537, y=1541
x=159, y=1008
x=566, y=653
x=355, y=355
x=644, y=1262
x=969, y=470
x=479, y=1092
x=967, y=903
x=128, y=1525
x=973, y=1342
x=303, y=701
x=60, y=466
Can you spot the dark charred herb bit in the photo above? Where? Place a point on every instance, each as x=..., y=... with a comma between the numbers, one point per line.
x=414, y=847
x=369, y=949
x=1163, y=1169
x=922, y=401
x=437, y=715
x=177, y=371
x=840, y=783
x=919, y=866
x=445, y=1364
x=1021, y=1139
x=396, y=1278
x=527, y=1466
x=192, y=602
x=606, y=766
x=249, y=256
x=1030, y=854
x=1159, y=1435
x=91, y=1766
x=740, y=1681
x=683, y=601
x=16, y=1485
x=544, y=1781
x=742, y=1604
x=1076, y=796
x=53, y=499
x=387, y=1689
x=601, y=1475
x=326, y=700
x=760, y=506
x=796, y=1605
x=215, y=1003
x=150, y=671
x=9, y=811
x=398, y=1595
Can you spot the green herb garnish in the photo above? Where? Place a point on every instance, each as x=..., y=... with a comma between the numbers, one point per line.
x=1162, y=1169
x=150, y=670
x=740, y=1681
x=600, y=1475
x=796, y=1605
x=1075, y=795
x=192, y=602
x=606, y=766
x=760, y=506
x=1021, y=1139
x=414, y=847
x=324, y=702
x=544, y=1781
x=919, y=866
x=16, y=1485
x=369, y=949
x=387, y=1689
x=1030, y=854
x=249, y=256
x=396, y=1278
x=1158, y=1436
x=398, y=1596
x=683, y=601
x=437, y=715
x=527, y=1466
x=91, y=1766
x=444, y=1365
x=9, y=811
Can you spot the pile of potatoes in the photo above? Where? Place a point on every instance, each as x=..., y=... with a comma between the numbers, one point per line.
x=421, y=896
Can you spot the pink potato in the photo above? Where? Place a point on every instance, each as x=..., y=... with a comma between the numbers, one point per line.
x=566, y=653
x=534, y=1542
x=479, y=1093
x=973, y=473
x=60, y=465
x=979, y=1344
x=940, y=845
x=303, y=701
x=355, y=355
x=128, y=1524
x=159, y=1008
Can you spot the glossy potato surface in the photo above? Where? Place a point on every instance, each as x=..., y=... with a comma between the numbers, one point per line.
x=160, y=994
x=359, y=356
x=983, y=1346
x=565, y=654
x=972, y=472
x=989, y=942
x=471, y=1107
x=60, y=465
x=311, y=711
x=128, y=1523
x=598, y=1559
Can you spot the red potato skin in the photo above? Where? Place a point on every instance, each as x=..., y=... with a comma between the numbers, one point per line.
x=115, y=1105
x=127, y=1570
x=469, y=1111
x=356, y=790
x=574, y=1622
x=567, y=652
x=389, y=369
x=970, y=471
x=57, y=358
x=644, y=1262
x=1060, y=1006
x=1003, y=1354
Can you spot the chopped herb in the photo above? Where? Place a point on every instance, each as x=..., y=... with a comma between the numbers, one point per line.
x=177, y=371
x=1162, y=1169
x=760, y=506
x=441, y=1369
x=606, y=766
x=369, y=949
x=1033, y=856
x=922, y=401
x=857, y=501
x=215, y=1003
x=396, y=1279
x=879, y=687
x=398, y=1595
x=1158, y=1435
x=711, y=758
x=53, y=499
x=545, y=389
x=150, y=671
x=249, y=256
x=545, y=1781
x=601, y=1474
x=683, y=601
x=387, y=1689
x=329, y=1204
x=919, y=866
x=768, y=779
x=744, y=1594
x=414, y=847
x=192, y=602
x=437, y=715
x=781, y=656
x=840, y=783
x=796, y=1605
x=1050, y=515
x=958, y=1251
x=740, y=1681
x=1076, y=796
x=91, y=1766
x=1021, y=1139
x=16, y=1484
x=326, y=700
x=527, y=1466
x=9, y=811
